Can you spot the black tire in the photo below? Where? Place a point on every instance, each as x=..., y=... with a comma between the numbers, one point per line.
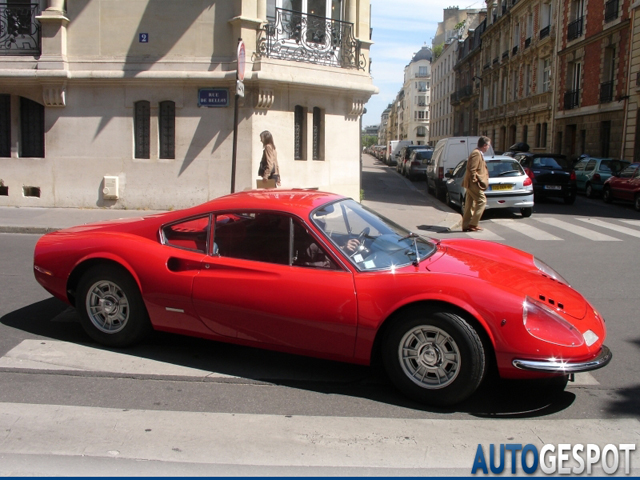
x=588, y=191
x=429, y=189
x=636, y=202
x=447, y=198
x=606, y=195
x=111, y=308
x=526, y=212
x=437, y=191
x=431, y=335
x=570, y=200
x=463, y=201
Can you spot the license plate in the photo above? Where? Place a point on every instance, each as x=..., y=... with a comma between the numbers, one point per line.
x=502, y=187
x=553, y=187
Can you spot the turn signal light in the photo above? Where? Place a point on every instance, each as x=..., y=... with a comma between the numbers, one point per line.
x=572, y=176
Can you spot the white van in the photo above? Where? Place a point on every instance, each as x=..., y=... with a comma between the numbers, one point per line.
x=393, y=150
x=446, y=155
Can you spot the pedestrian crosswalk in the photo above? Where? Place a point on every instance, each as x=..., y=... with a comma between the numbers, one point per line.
x=555, y=229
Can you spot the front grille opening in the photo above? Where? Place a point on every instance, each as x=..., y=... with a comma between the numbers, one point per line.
x=31, y=191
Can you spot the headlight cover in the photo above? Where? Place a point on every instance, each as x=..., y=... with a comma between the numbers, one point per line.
x=544, y=324
x=547, y=270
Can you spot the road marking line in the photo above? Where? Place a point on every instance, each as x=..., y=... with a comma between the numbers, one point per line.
x=525, y=229
x=485, y=235
x=635, y=223
x=611, y=226
x=56, y=355
x=577, y=230
x=285, y=440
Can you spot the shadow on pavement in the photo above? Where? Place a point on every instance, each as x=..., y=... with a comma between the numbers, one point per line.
x=495, y=397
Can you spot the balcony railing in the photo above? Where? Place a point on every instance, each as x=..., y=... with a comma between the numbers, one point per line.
x=571, y=99
x=307, y=38
x=527, y=42
x=606, y=92
x=574, y=29
x=610, y=10
x=545, y=32
x=19, y=29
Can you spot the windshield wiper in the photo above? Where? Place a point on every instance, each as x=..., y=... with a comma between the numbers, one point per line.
x=508, y=171
x=416, y=262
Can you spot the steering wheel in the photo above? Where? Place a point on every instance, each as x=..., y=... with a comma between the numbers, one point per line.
x=363, y=234
x=360, y=239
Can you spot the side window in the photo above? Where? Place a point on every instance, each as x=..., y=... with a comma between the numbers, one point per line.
x=580, y=166
x=190, y=234
x=261, y=237
x=307, y=252
x=628, y=172
x=590, y=166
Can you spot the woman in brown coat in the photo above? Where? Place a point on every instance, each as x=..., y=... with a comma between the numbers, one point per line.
x=269, y=163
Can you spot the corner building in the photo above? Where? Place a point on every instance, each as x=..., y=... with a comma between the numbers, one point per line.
x=130, y=104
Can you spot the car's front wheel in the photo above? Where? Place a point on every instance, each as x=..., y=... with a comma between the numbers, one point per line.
x=588, y=191
x=434, y=357
x=447, y=198
x=606, y=195
x=526, y=211
x=111, y=308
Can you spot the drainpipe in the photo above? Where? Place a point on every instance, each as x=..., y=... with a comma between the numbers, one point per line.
x=635, y=5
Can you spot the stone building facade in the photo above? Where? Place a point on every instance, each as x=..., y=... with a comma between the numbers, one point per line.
x=417, y=91
x=130, y=104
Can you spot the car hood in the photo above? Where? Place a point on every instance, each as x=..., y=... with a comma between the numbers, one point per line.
x=508, y=268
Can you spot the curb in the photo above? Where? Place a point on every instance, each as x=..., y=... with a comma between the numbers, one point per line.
x=28, y=230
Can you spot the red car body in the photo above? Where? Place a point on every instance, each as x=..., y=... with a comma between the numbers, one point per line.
x=624, y=185
x=342, y=313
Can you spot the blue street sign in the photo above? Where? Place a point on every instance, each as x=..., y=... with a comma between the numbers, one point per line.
x=143, y=38
x=213, y=97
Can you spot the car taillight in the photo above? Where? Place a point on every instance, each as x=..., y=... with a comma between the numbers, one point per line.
x=572, y=176
x=596, y=177
x=416, y=163
x=527, y=182
x=529, y=173
x=440, y=173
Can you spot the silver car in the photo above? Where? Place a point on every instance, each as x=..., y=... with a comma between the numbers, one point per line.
x=509, y=185
x=416, y=166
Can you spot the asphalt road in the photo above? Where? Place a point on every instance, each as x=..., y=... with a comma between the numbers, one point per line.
x=268, y=413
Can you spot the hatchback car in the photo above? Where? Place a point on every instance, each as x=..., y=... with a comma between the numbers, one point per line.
x=416, y=166
x=591, y=173
x=509, y=185
x=552, y=175
x=405, y=153
x=624, y=186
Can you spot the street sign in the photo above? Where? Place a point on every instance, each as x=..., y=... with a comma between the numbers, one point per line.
x=239, y=88
x=241, y=60
x=213, y=97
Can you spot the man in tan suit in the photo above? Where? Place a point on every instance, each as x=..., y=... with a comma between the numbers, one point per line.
x=476, y=180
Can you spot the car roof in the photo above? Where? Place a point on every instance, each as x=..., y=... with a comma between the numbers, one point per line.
x=551, y=155
x=499, y=157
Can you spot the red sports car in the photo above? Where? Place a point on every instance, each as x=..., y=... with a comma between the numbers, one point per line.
x=318, y=274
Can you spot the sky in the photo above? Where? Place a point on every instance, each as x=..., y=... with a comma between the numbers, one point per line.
x=400, y=29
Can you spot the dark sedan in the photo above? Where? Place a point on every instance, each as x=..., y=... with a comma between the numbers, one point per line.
x=552, y=175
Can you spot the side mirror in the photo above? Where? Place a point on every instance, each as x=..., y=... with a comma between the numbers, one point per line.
x=447, y=175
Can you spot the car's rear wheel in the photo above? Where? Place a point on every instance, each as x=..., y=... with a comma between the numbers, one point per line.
x=526, y=211
x=588, y=191
x=606, y=194
x=434, y=357
x=447, y=198
x=111, y=308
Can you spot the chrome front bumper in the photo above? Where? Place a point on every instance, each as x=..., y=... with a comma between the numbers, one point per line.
x=559, y=366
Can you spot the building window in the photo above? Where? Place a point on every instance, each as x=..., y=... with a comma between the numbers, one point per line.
x=142, y=129
x=538, y=133
x=422, y=101
x=31, y=128
x=545, y=70
x=299, y=133
x=422, y=132
x=525, y=133
x=605, y=134
x=543, y=136
x=5, y=125
x=167, y=125
x=318, y=134
x=422, y=71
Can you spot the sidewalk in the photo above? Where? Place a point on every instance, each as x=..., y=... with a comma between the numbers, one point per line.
x=384, y=190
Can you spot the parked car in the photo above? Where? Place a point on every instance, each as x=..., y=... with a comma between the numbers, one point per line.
x=591, y=173
x=447, y=154
x=393, y=151
x=405, y=153
x=624, y=186
x=314, y=273
x=552, y=175
x=509, y=185
x=416, y=166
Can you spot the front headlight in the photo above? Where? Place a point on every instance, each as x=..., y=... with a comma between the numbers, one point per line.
x=548, y=271
x=544, y=324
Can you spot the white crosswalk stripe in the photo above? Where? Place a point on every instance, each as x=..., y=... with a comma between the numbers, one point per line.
x=635, y=223
x=486, y=234
x=612, y=226
x=577, y=230
x=526, y=229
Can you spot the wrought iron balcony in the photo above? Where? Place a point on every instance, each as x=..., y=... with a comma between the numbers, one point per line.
x=301, y=37
x=571, y=99
x=19, y=29
x=606, y=92
x=574, y=29
x=545, y=32
x=610, y=10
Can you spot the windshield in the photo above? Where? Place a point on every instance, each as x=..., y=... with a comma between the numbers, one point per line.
x=504, y=168
x=552, y=163
x=370, y=241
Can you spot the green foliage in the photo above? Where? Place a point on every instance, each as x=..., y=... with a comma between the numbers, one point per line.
x=437, y=50
x=368, y=140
